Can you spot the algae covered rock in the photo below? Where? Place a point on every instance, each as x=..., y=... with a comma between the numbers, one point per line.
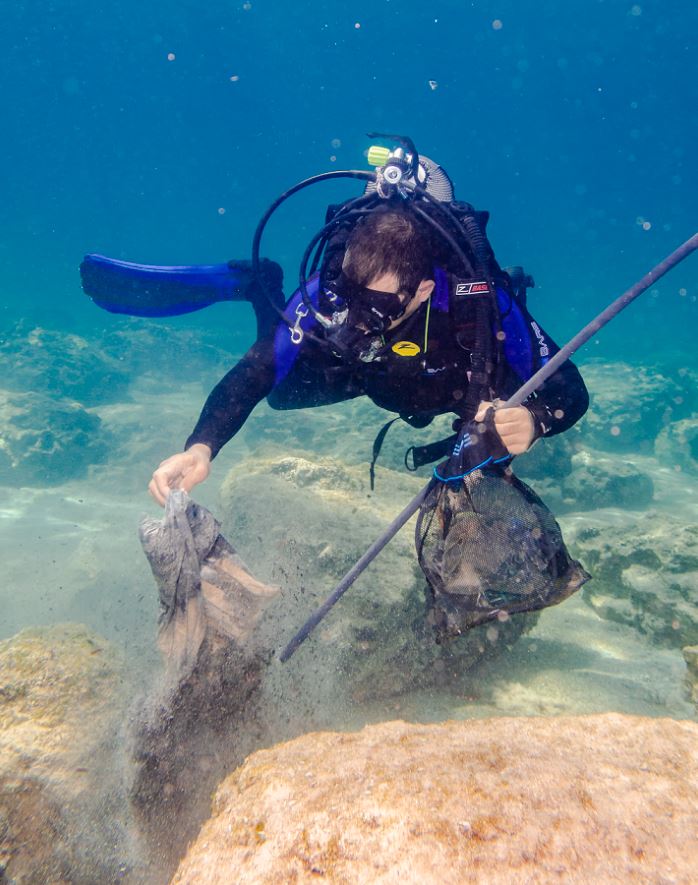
x=61, y=364
x=690, y=655
x=631, y=404
x=302, y=525
x=141, y=347
x=605, y=798
x=677, y=445
x=61, y=810
x=45, y=441
x=548, y=459
x=645, y=574
x=598, y=481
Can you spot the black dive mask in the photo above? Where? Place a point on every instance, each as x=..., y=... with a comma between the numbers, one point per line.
x=361, y=316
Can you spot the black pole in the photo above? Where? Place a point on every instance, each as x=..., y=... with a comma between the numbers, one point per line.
x=613, y=309
x=521, y=394
x=355, y=571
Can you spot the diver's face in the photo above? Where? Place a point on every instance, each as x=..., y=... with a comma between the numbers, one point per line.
x=388, y=282
x=363, y=314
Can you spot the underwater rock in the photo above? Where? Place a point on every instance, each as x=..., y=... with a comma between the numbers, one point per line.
x=644, y=574
x=606, y=798
x=144, y=347
x=303, y=524
x=345, y=431
x=598, y=481
x=46, y=441
x=690, y=655
x=184, y=737
x=62, y=697
x=677, y=445
x=61, y=364
x=548, y=459
x=631, y=404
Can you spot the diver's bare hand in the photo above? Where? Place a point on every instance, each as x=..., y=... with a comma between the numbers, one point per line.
x=181, y=471
x=514, y=425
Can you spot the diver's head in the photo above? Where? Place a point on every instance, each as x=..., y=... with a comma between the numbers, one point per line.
x=386, y=275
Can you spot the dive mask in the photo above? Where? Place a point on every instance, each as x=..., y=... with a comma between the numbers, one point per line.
x=361, y=316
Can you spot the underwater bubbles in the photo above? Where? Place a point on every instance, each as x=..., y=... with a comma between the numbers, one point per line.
x=171, y=56
x=432, y=84
x=497, y=24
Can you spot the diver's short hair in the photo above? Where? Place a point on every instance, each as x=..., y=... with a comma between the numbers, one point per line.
x=389, y=241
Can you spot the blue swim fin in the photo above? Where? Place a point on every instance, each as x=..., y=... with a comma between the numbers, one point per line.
x=147, y=290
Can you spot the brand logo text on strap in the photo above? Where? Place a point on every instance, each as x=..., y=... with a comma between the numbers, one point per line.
x=472, y=288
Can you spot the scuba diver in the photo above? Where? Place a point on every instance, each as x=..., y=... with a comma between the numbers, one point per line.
x=400, y=299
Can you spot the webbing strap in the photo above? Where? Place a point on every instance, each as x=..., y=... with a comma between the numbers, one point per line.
x=421, y=455
x=377, y=446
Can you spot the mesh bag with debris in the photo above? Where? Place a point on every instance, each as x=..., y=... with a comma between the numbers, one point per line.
x=489, y=548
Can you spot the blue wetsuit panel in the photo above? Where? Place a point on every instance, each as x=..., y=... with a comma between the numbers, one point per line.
x=517, y=343
x=288, y=338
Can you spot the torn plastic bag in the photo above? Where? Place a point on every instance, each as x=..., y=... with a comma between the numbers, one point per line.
x=206, y=591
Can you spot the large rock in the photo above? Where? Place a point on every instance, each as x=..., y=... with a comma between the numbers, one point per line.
x=46, y=441
x=645, y=574
x=62, y=697
x=302, y=525
x=606, y=798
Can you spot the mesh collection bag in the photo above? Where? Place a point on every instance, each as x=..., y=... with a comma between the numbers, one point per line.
x=489, y=547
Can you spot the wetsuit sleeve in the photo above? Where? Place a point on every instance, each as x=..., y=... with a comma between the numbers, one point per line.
x=234, y=397
x=562, y=400
x=559, y=403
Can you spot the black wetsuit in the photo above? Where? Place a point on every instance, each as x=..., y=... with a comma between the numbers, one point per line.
x=294, y=372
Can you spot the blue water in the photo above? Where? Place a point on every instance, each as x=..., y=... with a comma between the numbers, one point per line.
x=159, y=132
x=572, y=124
